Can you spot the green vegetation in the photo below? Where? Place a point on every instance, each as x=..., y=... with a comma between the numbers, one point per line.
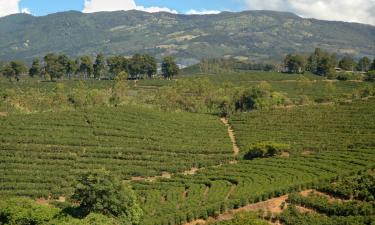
x=257, y=35
x=358, y=208
x=164, y=145
x=41, y=154
x=100, y=192
x=265, y=150
x=244, y=219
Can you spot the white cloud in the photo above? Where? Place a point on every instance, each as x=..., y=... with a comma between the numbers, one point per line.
x=202, y=12
x=116, y=5
x=8, y=7
x=26, y=11
x=361, y=11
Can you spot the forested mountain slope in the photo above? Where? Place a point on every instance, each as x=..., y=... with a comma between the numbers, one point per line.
x=254, y=34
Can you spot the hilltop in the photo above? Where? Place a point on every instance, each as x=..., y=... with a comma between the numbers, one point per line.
x=260, y=35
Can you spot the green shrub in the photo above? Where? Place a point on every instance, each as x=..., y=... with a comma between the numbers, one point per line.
x=265, y=149
x=20, y=211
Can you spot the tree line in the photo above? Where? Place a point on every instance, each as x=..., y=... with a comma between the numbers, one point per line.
x=57, y=66
x=325, y=64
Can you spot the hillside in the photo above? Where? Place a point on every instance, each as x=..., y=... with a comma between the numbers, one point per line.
x=254, y=34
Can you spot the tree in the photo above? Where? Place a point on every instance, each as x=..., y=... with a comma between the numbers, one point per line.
x=86, y=67
x=14, y=69
x=72, y=67
x=100, y=192
x=8, y=71
x=53, y=67
x=372, y=67
x=321, y=63
x=35, y=69
x=347, y=63
x=169, y=67
x=117, y=64
x=99, y=66
x=295, y=63
x=137, y=66
x=150, y=66
x=364, y=64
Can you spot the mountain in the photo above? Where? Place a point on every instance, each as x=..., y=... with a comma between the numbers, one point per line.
x=259, y=35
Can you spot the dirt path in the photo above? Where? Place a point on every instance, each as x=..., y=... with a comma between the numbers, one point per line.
x=236, y=149
x=3, y=114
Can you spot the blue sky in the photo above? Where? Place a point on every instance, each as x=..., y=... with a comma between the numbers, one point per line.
x=43, y=7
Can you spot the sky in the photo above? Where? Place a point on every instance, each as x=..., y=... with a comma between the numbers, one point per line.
x=362, y=11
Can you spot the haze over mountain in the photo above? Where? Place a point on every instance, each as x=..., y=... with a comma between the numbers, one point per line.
x=265, y=35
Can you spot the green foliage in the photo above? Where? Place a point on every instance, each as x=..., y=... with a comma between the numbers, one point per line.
x=364, y=64
x=347, y=63
x=245, y=218
x=169, y=67
x=360, y=187
x=99, y=66
x=101, y=192
x=370, y=76
x=349, y=76
x=292, y=216
x=19, y=211
x=321, y=63
x=35, y=69
x=295, y=64
x=86, y=67
x=259, y=97
x=332, y=208
x=190, y=38
x=265, y=149
x=14, y=70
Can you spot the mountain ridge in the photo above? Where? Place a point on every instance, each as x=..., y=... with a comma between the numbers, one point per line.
x=257, y=35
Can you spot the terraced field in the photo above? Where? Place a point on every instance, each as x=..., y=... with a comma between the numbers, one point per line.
x=40, y=154
x=343, y=137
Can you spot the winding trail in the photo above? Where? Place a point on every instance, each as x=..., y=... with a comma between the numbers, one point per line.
x=236, y=149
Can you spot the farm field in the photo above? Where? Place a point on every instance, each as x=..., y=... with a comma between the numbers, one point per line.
x=181, y=165
x=217, y=189
x=42, y=153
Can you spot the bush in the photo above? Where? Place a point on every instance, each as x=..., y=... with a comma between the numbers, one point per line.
x=370, y=76
x=265, y=149
x=20, y=211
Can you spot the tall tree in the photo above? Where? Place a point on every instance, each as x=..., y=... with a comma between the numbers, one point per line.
x=137, y=66
x=347, y=63
x=14, y=69
x=86, y=67
x=19, y=68
x=35, y=69
x=150, y=66
x=372, y=67
x=117, y=64
x=364, y=64
x=321, y=63
x=72, y=67
x=99, y=66
x=169, y=67
x=8, y=71
x=295, y=63
x=53, y=67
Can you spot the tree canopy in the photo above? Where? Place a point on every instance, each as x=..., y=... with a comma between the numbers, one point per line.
x=169, y=67
x=100, y=192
